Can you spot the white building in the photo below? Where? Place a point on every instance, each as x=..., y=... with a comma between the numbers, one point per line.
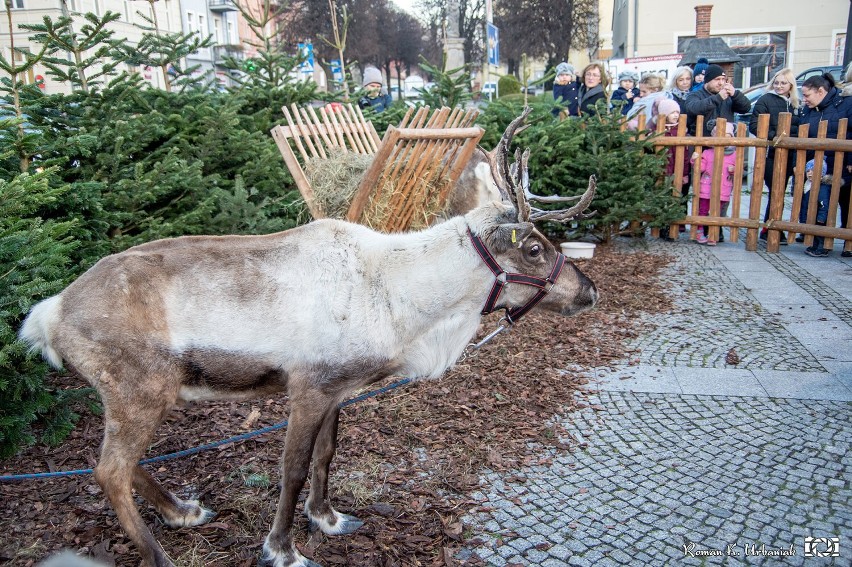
x=216, y=18
x=768, y=34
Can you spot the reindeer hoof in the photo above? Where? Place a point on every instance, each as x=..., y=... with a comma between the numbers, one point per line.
x=344, y=524
x=193, y=515
x=292, y=559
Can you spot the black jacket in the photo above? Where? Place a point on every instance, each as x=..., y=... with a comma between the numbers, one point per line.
x=832, y=108
x=712, y=106
x=588, y=98
x=773, y=105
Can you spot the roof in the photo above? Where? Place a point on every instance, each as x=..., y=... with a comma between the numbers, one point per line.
x=714, y=49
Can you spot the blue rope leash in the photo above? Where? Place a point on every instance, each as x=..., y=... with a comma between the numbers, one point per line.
x=208, y=446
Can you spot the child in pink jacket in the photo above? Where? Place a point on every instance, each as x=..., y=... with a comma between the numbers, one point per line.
x=706, y=183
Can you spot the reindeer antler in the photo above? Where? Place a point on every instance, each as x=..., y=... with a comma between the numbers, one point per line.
x=513, y=181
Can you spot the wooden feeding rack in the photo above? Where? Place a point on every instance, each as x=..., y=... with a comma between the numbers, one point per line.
x=413, y=170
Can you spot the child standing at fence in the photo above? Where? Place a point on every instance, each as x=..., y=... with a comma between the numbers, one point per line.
x=729, y=160
x=823, y=184
x=668, y=110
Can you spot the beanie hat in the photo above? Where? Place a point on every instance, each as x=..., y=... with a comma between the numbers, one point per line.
x=701, y=65
x=712, y=72
x=628, y=76
x=564, y=69
x=810, y=165
x=372, y=75
x=666, y=106
x=729, y=129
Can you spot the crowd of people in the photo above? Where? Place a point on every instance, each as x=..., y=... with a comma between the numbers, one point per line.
x=706, y=90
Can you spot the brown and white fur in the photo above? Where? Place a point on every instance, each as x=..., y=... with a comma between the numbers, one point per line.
x=315, y=312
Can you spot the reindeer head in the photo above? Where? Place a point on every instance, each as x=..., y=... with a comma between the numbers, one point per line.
x=517, y=253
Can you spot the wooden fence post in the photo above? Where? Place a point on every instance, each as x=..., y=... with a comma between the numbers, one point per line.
x=779, y=183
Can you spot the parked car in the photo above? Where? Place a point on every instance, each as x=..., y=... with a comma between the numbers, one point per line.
x=835, y=70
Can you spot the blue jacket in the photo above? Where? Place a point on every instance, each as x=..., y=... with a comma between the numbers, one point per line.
x=832, y=109
x=566, y=97
x=378, y=104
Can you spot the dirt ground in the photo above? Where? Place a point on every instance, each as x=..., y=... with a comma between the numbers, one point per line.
x=408, y=460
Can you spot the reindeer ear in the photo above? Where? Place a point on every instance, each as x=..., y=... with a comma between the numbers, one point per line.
x=510, y=235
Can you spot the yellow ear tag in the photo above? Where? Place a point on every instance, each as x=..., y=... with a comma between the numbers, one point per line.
x=514, y=236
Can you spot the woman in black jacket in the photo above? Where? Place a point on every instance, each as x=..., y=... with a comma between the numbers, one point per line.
x=594, y=86
x=781, y=96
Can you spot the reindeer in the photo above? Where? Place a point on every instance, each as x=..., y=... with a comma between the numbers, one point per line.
x=317, y=312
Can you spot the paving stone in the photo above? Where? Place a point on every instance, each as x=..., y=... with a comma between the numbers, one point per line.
x=662, y=469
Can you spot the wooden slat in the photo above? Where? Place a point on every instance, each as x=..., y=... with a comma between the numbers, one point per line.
x=779, y=185
x=819, y=155
x=836, y=175
x=736, y=195
x=757, y=180
x=798, y=181
x=312, y=137
x=298, y=174
x=297, y=138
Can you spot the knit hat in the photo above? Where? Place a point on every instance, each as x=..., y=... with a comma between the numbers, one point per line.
x=628, y=75
x=564, y=69
x=712, y=72
x=810, y=165
x=729, y=129
x=372, y=75
x=701, y=66
x=666, y=106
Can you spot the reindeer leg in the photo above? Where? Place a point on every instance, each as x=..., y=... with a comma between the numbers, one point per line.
x=176, y=513
x=318, y=507
x=126, y=437
x=306, y=419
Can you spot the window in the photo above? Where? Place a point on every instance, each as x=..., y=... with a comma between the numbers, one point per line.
x=19, y=59
x=17, y=4
x=217, y=30
x=759, y=39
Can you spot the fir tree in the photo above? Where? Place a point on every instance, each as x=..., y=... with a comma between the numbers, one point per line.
x=89, y=48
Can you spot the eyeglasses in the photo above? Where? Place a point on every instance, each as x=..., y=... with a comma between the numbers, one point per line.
x=592, y=74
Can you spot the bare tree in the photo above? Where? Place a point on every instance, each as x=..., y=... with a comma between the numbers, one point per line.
x=471, y=26
x=548, y=29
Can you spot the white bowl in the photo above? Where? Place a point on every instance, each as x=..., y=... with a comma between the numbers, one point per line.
x=578, y=249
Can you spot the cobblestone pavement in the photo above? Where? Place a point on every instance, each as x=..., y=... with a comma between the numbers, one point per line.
x=688, y=461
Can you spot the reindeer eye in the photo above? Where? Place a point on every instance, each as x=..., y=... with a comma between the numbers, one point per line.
x=535, y=250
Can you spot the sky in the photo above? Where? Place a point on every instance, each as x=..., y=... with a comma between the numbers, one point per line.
x=407, y=5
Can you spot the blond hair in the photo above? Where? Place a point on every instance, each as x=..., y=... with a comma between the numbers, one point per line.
x=787, y=74
x=655, y=83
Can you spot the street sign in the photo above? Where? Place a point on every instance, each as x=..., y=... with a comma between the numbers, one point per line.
x=306, y=67
x=336, y=72
x=493, y=44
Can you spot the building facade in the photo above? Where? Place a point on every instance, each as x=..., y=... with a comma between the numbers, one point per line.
x=766, y=34
x=218, y=19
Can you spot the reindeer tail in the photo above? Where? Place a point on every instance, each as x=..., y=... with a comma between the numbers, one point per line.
x=37, y=329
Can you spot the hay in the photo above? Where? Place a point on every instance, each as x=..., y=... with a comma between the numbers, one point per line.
x=335, y=181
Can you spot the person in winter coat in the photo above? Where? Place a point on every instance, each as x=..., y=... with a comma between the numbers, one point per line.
x=698, y=78
x=680, y=86
x=594, y=86
x=781, y=96
x=376, y=97
x=668, y=111
x=626, y=92
x=716, y=99
x=650, y=91
x=565, y=91
x=729, y=161
x=824, y=101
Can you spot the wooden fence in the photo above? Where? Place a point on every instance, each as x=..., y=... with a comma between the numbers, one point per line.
x=786, y=148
